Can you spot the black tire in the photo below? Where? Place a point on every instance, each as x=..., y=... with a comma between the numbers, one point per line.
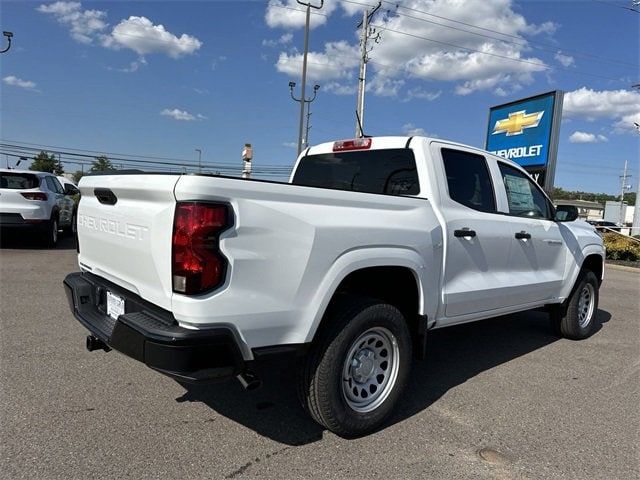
x=571, y=320
x=71, y=228
x=321, y=377
x=50, y=234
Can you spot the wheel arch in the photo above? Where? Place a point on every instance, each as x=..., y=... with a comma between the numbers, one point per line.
x=397, y=277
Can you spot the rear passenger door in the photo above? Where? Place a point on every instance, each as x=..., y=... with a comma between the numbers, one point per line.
x=53, y=185
x=537, y=257
x=477, y=240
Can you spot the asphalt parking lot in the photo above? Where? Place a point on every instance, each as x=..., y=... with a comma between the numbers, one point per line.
x=497, y=399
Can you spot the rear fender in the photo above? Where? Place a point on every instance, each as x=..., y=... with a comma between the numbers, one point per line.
x=361, y=258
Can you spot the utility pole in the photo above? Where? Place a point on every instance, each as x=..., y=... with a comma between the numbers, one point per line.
x=623, y=187
x=304, y=67
x=199, y=160
x=366, y=34
x=306, y=134
x=304, y=140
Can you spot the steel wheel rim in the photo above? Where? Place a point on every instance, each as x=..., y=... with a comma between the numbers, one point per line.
x=586, y=305
x=370, y=369
x=54, y=233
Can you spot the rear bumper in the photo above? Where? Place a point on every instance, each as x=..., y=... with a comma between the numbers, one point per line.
x=15, y=220
x=151, y=335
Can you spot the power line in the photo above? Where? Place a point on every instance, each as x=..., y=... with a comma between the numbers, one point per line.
x=527, y=42
x=112, y=155
x=577, y=52
x=611, y=4
x=520, y=60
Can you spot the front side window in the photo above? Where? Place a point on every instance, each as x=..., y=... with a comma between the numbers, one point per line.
x=523, y=196
x=389, y=171
x=468, y=180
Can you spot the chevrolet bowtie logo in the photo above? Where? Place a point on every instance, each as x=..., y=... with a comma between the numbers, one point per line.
x=517, y=122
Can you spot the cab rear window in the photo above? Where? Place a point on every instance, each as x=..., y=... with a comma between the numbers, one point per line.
x=18, y=181
x=388, y=172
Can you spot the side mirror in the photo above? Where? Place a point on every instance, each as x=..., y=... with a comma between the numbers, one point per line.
x=566, y=213
x=70, y=189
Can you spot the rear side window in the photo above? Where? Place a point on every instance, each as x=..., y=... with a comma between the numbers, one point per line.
x=468, y=180
x=524, y=197
x=18, y=181
x=52, y=184
x=389, y=172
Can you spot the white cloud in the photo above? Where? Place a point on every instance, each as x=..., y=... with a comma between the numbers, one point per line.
x=627, y=122
x=84, y=25
x=410, y=130
x=584, y=137
x=566, y=60
x=337, y=62
x=290, y=144
x=421, y=48
x=135, y=33
x=339, y=88
x=421, y=94
x=290, y=14
x=18, y=82
x=181, y=115
x=591, y=103
x=284, y=39
x=623, y=106
x=143, y=37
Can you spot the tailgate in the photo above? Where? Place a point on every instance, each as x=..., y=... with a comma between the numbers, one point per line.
x=125, y=223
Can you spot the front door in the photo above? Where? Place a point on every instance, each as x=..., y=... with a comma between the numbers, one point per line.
x=538, y=254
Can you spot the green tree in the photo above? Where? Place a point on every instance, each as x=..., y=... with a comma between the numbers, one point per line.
x=46, y=162
x=78, y=175
x=101, y=164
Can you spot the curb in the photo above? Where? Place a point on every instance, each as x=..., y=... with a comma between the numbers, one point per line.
x=622, y=267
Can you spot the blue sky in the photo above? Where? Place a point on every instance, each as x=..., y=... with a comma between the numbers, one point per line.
x=163, y=78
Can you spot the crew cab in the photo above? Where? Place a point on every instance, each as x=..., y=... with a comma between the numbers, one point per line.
x=373, y=243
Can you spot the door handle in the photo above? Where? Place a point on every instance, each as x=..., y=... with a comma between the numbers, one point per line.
x=465, y=232
x=523, y=235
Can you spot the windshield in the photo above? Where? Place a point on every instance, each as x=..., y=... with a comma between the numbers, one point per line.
x=18, y=181
x=389, y=172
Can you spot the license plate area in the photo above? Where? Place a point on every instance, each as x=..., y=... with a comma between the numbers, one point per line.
x=115, y=305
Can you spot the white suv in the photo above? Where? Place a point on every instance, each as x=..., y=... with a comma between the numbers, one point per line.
x=35, y=201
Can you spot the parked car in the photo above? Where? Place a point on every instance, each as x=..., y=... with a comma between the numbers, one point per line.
x=604, y=226
x=73, y=196
x=375, y=242
x=35, y=202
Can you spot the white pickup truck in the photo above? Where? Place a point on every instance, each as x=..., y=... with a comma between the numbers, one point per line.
x=373, y=243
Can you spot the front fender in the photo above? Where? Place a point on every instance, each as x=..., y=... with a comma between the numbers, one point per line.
x=576, y=266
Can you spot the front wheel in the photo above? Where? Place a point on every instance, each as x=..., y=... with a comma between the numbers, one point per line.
x=576, y=319
x=357, y=368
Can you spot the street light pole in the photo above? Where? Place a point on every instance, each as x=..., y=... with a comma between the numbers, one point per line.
x=302, y=141
x=199, y=160
x=304, y=66
x=8, y=35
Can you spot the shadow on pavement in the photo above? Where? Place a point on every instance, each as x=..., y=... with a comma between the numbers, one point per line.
x=23, y=240
x=454, y=355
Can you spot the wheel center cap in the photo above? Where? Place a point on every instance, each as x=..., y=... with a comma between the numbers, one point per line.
x=363, y=366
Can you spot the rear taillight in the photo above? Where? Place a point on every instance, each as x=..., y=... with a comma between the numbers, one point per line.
x=35, y=196
x=354, y=144
x=197, y=264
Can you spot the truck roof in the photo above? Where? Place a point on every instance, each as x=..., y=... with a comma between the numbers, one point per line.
x=385, y=142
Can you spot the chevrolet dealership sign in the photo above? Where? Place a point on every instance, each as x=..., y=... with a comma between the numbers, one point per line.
x=526, y=131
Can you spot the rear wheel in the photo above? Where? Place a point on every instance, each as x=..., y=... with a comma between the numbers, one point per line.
x=357, y=368
x=51, y=232
x=576, y=319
